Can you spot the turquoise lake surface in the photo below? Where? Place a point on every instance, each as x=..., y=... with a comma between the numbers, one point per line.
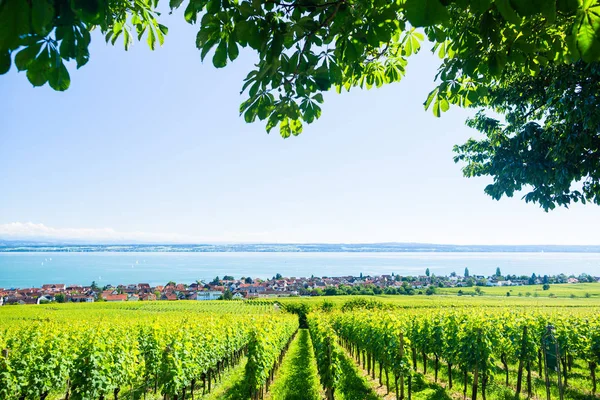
x=37, y=268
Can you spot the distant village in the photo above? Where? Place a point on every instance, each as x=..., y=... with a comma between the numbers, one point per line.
x=229, y=288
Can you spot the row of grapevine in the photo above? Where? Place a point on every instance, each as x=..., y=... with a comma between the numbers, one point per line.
x=327, y=353
x=130, y=311
x=171, y=356
x=472, y=342
x=373, y=340
x=267, y=345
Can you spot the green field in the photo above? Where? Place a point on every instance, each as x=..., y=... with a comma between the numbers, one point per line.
x=579, y=290
x=347, y=347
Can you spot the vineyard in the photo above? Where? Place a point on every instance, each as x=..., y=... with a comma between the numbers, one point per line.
x=351, y=348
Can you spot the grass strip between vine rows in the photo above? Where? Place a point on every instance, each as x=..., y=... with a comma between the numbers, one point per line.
x=298, y=378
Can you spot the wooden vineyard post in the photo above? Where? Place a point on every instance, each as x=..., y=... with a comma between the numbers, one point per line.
x=560, y=383
x=373, y=366
x=592, y=366
x=521, y=361
x=475, y=381
x=546, y=377
x=552, y=361
x=414, y=357
x=465, y=380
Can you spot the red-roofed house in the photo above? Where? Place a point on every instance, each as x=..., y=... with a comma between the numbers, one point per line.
x=169, y=296
x=116, y=297
x=54, y=287
x=148, y=297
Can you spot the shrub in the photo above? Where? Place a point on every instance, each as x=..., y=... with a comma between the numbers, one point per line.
x=430, y=290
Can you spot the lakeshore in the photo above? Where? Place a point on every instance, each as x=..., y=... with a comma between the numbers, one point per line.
x=247, y=288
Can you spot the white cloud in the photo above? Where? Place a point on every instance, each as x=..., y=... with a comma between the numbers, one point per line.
x=32, y=231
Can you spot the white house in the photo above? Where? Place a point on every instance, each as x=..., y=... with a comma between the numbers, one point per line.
x=209, y=295
x=43, y=298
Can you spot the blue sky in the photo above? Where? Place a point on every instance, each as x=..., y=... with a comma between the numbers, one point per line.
x=149, y=146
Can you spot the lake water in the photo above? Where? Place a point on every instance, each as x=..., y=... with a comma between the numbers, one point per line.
x=35, y=269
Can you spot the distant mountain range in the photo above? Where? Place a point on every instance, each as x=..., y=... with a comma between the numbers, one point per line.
x=28, y=246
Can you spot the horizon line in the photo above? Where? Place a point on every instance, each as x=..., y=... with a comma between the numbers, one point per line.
x=75, y=242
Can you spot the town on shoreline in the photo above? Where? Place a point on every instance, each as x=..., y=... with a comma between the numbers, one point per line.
x=227, y=287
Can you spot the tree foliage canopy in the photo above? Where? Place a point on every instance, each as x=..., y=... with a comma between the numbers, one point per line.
x=306, y=47
x=549, y=142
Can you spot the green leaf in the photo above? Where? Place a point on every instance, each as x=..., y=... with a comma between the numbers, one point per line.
x=68, y=49
x=151, y=39
x=432, y=95
x=436, y=109
x=206, y=48
x=284, y=128
x=190, y=13
x=14, y=22
x=42, y=14
x=4, y=61
x=250, y=115
x=254, y=38
x=350, y=52
x=59, y=78
x=232, y=49
x=83, y=54
x=322, y=78
x=220, y=58
x=425, y=12
x=496, y=63
x=38, y=70
x=271, y=122
x=246, y=9
x=25, y=57
x=444, y=105
x=296, y=127
x=586, y=31
x=175, y=3
x=160, y=36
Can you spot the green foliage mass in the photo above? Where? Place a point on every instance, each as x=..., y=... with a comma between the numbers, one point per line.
x=548, y=142
x=305, y=47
